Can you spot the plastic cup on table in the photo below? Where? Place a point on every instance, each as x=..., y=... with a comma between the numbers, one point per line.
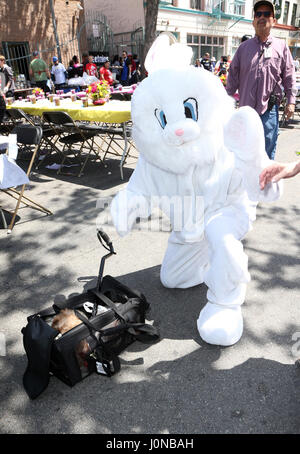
x=51, y=97
x=85, y=102
x=33, y=99
x=73, y=97
x=57, y=101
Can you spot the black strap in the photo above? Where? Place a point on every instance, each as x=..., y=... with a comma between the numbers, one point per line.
x=146, y=333
x=106, y=362
x=107, y=302
x=103, y=353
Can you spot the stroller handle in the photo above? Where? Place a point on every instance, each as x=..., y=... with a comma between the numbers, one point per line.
x=102, y=236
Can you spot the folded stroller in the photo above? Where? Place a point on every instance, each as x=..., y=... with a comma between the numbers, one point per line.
x=111, y=317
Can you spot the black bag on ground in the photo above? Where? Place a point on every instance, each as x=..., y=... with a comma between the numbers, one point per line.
x=108, y=318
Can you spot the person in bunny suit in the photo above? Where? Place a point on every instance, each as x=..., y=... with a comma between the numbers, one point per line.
x=200, y=161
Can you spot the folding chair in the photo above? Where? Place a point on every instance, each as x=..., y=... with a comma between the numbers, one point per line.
x=119, y=141
x=77, y=134
x=6, y=125
x=49, y=138
x=26, y=135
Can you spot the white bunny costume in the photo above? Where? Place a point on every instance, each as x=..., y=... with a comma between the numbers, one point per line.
x=200, y=159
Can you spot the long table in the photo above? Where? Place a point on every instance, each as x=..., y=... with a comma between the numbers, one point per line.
x=111, y=112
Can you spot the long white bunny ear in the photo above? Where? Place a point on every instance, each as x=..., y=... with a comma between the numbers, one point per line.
x=165, y=52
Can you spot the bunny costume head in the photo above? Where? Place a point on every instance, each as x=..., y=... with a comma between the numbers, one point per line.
x=194, y=145
x=176, y=111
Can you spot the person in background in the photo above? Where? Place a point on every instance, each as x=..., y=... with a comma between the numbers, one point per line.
x=75, y=60
x=6, y=78
x=85, y=60
x=58, y=74
x=213, y=63
x=116, y=67
x=206, y=62
x=132, y=76
x=198, y=63
x=259, y=69
x=221, y=66
x=138, y=67
x=125, y=69
x=275, y=171
x=105, y=73
x=245, y=38
x=91, y=68
x=39, y=71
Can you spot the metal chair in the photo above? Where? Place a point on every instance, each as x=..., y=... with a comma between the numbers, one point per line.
x=118, y=141
x=28, y=135
x=6, y=125
x=49, y=138
x=75, y=134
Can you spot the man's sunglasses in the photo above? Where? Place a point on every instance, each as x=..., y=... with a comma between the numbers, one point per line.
x=263, y=13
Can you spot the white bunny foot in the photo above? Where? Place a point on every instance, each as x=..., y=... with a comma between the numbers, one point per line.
x=220, y=325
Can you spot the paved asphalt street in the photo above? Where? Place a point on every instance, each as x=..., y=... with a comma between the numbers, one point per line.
x=179, y=385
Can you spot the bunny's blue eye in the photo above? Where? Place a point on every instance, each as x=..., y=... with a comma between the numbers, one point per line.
x=191, y=108
x=160, y=115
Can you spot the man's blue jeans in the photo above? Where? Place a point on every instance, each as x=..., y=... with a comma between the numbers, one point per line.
x=270, y=123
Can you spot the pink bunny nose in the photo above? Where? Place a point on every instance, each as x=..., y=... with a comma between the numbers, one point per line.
x=179, y=132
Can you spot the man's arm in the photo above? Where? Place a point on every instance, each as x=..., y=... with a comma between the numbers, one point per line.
x=101, y=73
x=289, y=82
x=10, y=76
x=233, y=78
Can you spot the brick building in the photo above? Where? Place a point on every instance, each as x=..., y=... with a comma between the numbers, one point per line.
x=28, y=26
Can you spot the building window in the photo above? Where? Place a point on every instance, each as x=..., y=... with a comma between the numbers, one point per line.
x=239, y=9
x=196, y=4
x=16, y=54
x=219, y=5
x=235, y=44
x=201, y=44
x=294, y=14
x=286, y=12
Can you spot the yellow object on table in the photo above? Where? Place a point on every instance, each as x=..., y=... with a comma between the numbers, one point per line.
x=110, y=112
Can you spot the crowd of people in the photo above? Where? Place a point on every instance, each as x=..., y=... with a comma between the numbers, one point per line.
x=123, y=69
x=209, y=63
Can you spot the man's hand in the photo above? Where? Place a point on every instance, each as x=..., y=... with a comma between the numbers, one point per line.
x=5, y=90
x=276, y=171
x=289, y=110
